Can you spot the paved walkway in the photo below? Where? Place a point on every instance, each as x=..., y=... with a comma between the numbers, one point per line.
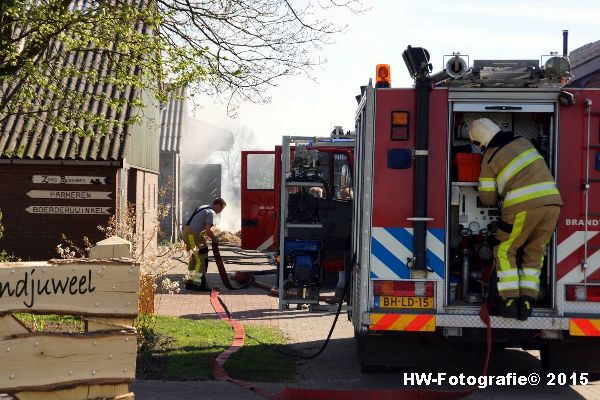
x=337, y=367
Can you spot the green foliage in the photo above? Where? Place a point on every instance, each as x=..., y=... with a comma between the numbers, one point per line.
x=7, y=257
x=17, y=152
x=57, y=56
x=4, y=256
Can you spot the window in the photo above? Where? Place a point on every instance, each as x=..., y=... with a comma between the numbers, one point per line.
x=260, y=171
x=342, y=177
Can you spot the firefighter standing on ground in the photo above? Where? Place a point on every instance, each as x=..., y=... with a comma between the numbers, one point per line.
x=513, y=169
x=195, y=233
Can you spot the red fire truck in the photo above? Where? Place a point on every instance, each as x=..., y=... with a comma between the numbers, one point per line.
x=421, y=238
x=297, y=202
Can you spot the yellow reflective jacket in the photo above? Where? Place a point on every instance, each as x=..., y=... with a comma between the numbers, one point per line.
x=519, y=175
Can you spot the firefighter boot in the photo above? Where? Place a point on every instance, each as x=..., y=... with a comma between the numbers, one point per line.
x=190, y=279
x=197, y=281
x=339, y=294
x=203, y=287
x=525, y=306
x=509, y=308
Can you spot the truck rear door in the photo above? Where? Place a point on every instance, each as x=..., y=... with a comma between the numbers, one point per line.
x=578, y=232
x=259, y=217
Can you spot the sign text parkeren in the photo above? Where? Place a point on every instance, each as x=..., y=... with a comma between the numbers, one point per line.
x=29, y=286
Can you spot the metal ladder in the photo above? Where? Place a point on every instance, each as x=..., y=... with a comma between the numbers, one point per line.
x=587, y=186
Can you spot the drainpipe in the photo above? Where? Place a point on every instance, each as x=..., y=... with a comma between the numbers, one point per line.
x=423, y=88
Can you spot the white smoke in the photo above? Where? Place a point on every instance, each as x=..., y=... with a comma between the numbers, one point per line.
x=230, y=160
x=230, y=218
x=198, y=143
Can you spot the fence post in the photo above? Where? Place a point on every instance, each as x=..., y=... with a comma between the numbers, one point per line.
x=112, y=247
x=116, y=247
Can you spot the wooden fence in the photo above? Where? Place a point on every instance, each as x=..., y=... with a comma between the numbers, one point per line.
x=99, y=363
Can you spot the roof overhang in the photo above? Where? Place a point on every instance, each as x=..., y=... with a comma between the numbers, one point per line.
x=90, y=163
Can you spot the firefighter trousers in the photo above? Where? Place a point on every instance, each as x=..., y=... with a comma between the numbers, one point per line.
x=198, y=262
x=529, y=230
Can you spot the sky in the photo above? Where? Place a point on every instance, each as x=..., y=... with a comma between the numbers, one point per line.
x=481, y=29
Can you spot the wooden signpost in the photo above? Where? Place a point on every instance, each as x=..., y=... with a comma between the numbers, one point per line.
x=44, y=365
x=70, y=180
x=69, y=194
x=67, y=210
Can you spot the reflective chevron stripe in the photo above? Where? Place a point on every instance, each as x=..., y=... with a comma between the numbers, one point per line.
x=572, y=272
x=584, y=327
x=402, y=322
x=391, y=249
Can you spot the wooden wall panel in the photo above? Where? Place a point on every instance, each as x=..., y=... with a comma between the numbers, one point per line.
x=78, y=288
x=50, y=361
x=81, y=392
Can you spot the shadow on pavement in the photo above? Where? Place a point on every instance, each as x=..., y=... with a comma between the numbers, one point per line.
x=338, y=368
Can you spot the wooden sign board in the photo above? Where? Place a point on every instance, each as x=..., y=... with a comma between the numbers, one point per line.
x=103, y=391
x=69, y=194
x=82, y=288
x=61, y=359
x=84, y=210
x=70, y=180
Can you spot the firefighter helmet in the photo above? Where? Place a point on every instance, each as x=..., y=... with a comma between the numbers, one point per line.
x=482, y=130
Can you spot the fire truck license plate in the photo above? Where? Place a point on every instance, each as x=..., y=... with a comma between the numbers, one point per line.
x=403, y=302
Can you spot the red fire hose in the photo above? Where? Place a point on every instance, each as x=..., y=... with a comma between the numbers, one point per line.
x=311, y=394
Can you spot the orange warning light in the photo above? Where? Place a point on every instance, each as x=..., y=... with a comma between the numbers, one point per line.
x=399, y=118
x=383, y=77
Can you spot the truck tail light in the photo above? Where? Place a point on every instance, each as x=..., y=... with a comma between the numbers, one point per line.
x=583, y=293
x=396, y=288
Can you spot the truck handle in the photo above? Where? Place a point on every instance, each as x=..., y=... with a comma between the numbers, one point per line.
x=503, y=108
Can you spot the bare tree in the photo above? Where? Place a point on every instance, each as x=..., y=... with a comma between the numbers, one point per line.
x=56, y=56
x=231, y=160
x=248, y=44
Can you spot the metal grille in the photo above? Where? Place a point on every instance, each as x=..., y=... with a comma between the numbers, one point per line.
x=473, y=321
x=524, y=124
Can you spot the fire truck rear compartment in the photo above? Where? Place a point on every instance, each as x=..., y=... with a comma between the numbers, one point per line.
x=470, y=224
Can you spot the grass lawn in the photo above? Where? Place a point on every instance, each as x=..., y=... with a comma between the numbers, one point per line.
x=183, y=349
x=186, y=349
x=51, y=323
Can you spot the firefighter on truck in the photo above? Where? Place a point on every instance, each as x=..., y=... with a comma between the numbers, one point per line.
x=512, y=169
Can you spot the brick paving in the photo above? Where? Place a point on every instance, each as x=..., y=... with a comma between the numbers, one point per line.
x=337, y=367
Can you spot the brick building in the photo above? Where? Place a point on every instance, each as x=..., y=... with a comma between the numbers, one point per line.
x=60, y=183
